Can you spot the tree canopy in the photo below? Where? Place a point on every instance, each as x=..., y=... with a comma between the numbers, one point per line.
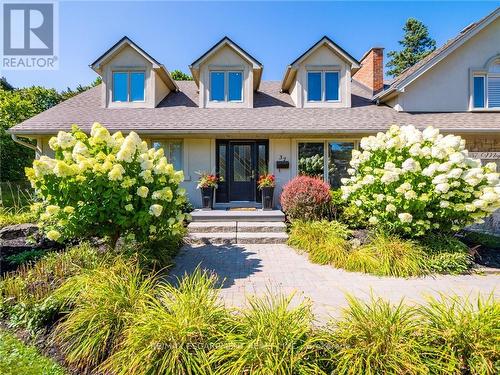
x=17, y=105
x=180, y=76
x=416, y=44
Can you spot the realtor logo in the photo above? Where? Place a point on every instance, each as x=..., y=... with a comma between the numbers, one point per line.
x=29, y=35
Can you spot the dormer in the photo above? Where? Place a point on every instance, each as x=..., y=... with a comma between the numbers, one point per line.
x=131, y=78
x=226, y=76
x=321, y=76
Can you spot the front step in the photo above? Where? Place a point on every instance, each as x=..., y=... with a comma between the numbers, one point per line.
x=261, y=238
x=234, y=215
x=236, y=238
x=254, y=226
x=223, y=238
x=234, y=232
x=212, y=227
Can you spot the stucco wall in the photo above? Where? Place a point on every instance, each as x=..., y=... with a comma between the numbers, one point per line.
x=160, y=88
x=128, y=59
x=199, y=155
x=226, y=59
x=446, y=86
x=280, y=148
x=325, y=59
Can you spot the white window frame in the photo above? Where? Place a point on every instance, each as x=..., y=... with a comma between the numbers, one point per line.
x=485, y=72
x=486, y=84
x=325, y=142
x=323, y=85
x=129, y=85
x=485, y=92
x=226, y=85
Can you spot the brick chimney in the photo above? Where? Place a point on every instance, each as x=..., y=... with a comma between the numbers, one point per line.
x=371, y=73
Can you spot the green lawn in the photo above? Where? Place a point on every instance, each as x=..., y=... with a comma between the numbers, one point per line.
x=16, y=358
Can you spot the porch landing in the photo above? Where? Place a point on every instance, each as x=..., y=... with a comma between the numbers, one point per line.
x=237, y=227
x=222, y=215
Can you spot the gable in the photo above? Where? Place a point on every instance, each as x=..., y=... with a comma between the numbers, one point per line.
x=222, y=48
x=126, y=53
x=226, y=56
x=416, y=71
x=323, y=52
x=450, y=77
x=324, y=56
x=127, y=57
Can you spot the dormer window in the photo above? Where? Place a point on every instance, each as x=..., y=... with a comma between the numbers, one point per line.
x=323, y=86
x=226, y=86
x=128, y=86
x=486, y=87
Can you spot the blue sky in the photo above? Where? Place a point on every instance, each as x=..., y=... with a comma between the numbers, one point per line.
x=176, y=33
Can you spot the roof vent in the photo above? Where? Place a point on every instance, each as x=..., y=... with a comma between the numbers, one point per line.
x=467, y=28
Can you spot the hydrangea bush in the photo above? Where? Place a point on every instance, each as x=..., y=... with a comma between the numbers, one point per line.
x=414, y=182
x=106, y=185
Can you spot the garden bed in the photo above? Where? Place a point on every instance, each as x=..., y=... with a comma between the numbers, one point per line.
x=111, y=326
x=362, y=250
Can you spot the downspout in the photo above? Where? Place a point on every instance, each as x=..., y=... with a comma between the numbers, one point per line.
x=25, y=144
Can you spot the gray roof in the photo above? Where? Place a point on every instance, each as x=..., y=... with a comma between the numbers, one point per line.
x=273, y=112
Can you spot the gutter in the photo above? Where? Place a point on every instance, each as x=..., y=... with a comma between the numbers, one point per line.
x=287, y=132
x=25, y=144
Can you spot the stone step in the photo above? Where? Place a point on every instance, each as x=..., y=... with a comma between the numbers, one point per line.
x=246, y=216
x=227, y=238
x=261, y=238
x=211, y=238
x=212, y=227
x=258, y=226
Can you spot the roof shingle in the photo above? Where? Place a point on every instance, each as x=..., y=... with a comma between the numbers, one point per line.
x=273, y=112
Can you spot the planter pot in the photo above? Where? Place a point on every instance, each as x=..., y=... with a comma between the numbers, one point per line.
x=267, y=198
x=207, y=198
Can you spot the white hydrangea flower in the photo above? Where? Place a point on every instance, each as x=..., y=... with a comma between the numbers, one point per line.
x=405, y=217
x=155, y=209
x=410, y=165
x=430, y=133
x=442, y=188
x=389, y=177
x=116, y=173
x=410, y=194
x=65, y=140
x=390, y=208
x=142, y=191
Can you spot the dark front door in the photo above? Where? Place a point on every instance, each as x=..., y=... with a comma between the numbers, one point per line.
x=242, y=171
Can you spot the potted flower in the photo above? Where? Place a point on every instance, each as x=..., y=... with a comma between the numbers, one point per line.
x=267, y=183
x=207, y=183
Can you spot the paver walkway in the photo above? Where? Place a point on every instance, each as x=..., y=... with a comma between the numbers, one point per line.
x=253, y=269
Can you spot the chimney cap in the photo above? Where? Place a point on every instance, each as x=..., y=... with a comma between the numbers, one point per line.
x=368, y=52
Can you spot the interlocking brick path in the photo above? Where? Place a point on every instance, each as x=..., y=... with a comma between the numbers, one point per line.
x=253, y=269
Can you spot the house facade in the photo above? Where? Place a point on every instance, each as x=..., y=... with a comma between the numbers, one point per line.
x=231, y=122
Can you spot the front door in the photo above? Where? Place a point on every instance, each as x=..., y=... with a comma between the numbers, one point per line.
x=242, y=171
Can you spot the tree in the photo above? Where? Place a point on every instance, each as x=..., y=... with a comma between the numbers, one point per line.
x=17, y=105
x=5, y=85
x=69, y=93
x=180, y=76
x=416, y=43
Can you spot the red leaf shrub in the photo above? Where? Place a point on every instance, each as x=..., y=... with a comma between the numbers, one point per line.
x=305, y=198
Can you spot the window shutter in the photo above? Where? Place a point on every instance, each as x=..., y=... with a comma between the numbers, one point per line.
x=493, y=92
